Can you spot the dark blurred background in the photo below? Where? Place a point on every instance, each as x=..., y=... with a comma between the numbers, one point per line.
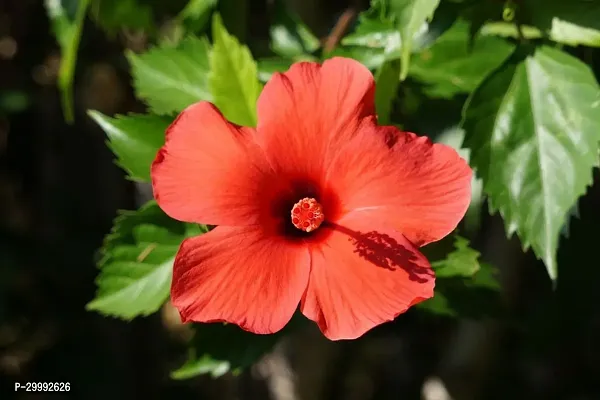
x=60, y=190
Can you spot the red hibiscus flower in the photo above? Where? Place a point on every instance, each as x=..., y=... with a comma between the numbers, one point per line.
x=317, y=206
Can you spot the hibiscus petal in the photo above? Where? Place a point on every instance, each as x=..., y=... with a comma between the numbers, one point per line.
x=306, y=112
x=363, y=275
x=237, y=275
x=420, y=188
x=210, y=171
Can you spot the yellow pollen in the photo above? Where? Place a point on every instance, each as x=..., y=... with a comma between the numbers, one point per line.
x=307, y=214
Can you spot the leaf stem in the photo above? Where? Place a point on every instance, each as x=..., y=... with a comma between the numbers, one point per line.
x=69, y=58
x=339, y=29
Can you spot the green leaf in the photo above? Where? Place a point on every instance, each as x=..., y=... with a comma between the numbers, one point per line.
x=574, y=22
x=463, y=261
x=137, y=260
x=509, y=29
x=485, y=277
x=374, y=31
x=114, y=15
x=473, y=297
x=386, y=90
x=462, y=284
x=372, y=58
x=134, y=139
x=289, y=36
x=376, y=28
x=196, y=14
x=218, y=348
x=451, y=66
x=409, y=18
x=438, y=305
x=234, y=77
x=571, y=22
x=532, y=128
x=376, y=39
x=68, y=35
x=170, y=79
x=195, y=366
x=268, y=66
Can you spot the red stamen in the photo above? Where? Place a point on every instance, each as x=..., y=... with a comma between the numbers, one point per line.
x=304, y=219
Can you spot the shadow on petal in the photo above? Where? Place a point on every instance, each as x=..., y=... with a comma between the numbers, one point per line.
x=384, y=251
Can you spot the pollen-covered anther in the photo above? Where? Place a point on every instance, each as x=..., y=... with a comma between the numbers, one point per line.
x=307, y=214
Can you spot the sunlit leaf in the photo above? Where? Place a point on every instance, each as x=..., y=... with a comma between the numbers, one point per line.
x=171, y=78
x=137, y=259
x=409, y=17
x=571, y=22
x=377, y=39
x=532, y=128
x=574, y=22
x=234, y=77
x=374, y=30
x=135, y=140
x=509, y=29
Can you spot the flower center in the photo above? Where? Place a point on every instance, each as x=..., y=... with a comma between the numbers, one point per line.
x=307, y=214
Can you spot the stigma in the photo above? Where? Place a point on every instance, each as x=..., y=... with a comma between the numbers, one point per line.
x=307, y=214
